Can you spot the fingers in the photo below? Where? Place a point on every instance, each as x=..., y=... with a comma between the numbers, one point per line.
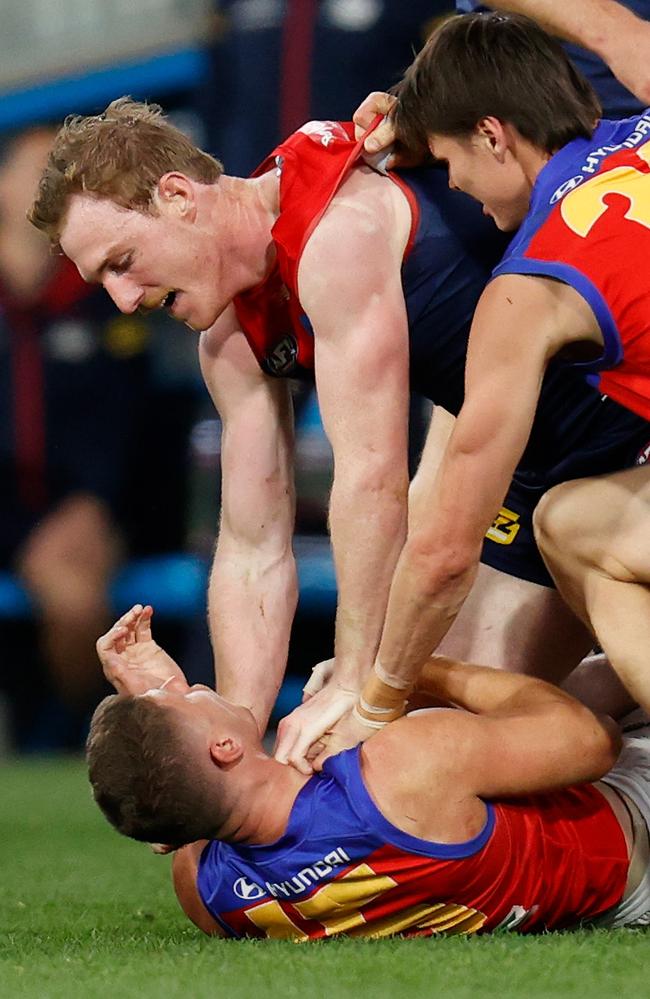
x=320, y=674
x=121, y=634
x=143, y=624
x=374, y=104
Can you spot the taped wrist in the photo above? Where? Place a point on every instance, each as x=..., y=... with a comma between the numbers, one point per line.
x=380, y=702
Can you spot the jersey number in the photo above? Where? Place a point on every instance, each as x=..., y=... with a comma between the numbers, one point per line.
x=583, y=206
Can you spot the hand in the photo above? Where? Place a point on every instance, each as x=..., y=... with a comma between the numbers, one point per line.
x=384, y=135
x=346, y=733
x=132, y=661
x=307, y=723
x=320, y=675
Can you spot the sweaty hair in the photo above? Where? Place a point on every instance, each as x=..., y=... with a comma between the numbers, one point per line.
x=495, y=65
x=142, y=774
x=120, y=155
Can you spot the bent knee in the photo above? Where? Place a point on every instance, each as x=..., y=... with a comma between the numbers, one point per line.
x=559, y=518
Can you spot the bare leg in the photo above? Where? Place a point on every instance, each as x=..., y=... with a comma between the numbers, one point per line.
x=66, y=564
x=595, y=538
x=519, y=626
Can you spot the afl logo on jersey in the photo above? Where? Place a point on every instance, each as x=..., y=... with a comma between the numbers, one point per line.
x=248, y=890
x=564, y=188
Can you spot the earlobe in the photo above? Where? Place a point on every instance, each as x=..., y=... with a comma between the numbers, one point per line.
x=226, y=751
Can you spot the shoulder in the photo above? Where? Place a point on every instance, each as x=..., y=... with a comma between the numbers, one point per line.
x=185, y=866
x=359, y=240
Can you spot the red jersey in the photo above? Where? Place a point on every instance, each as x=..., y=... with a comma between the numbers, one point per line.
x=312, y=164
x=541, y=862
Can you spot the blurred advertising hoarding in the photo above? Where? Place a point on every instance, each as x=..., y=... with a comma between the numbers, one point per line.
x=48, y=39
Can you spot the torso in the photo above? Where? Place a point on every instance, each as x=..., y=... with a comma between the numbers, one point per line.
x=543, y=861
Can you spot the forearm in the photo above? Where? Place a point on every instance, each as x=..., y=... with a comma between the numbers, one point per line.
x=252, y=602
x=482, y=689
x=368, y=528
x=590, y=23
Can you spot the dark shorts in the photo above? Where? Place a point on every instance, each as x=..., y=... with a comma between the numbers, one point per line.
x=594, y=436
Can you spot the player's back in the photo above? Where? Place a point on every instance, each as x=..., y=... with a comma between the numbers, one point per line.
x=341, y=867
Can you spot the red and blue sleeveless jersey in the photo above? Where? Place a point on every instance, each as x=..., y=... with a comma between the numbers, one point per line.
x=589, y=226
x=541, y=862
x=450, y=256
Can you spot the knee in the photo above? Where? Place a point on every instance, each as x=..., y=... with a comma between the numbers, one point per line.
x=558, y=520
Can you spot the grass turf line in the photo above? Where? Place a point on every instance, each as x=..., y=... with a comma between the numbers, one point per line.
x=85, y=913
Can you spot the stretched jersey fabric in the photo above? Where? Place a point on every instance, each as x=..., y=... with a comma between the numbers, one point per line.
x=589, y=226
x=541, y=862
x=450, y=255
x=616, y=100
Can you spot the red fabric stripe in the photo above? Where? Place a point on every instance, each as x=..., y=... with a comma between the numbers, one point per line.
x=295, y=64
x=29, y=413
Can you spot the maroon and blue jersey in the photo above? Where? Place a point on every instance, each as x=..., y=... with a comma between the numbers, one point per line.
x=589, y=226
x=540, y=862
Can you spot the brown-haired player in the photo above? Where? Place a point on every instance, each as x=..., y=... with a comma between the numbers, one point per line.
x=447, y=821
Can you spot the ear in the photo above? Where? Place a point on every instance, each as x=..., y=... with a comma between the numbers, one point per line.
x=226, y=751
x=175, y=194
x=493, y=135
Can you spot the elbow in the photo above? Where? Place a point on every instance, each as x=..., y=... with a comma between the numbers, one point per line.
x=440, y=569
x=601, y=743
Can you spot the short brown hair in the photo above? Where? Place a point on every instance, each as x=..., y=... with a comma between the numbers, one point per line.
x=502, y=65
x=142, y=774
x=120, y=155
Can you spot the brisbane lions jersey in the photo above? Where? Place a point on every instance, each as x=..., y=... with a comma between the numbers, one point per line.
x=589, y=226
x=540, y=862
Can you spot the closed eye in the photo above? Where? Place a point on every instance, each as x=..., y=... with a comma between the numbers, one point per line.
x=122, y=265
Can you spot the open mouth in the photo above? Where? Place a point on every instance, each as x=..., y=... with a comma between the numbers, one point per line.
x=168, y=300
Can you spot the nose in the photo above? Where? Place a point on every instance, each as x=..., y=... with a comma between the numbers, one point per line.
x=126, y=295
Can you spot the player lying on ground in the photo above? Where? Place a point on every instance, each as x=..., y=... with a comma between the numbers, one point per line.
x=446, y=821
x=261, y=266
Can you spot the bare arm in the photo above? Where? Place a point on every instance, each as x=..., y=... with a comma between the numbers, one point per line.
x=516, y=735
x=352, y=292
x=605, y=27
x=185, y=867
x=253, y=588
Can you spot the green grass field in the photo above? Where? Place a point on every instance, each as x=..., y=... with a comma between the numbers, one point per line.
x=86, y=913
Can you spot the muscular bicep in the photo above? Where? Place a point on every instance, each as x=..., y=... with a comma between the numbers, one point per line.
x=351, y=289
x=512, y=753
x=256, y=443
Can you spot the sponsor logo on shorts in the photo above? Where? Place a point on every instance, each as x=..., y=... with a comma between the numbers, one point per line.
x=505, y=527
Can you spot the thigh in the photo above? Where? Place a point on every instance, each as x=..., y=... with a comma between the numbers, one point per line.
x=603, y=522
x=517, y=625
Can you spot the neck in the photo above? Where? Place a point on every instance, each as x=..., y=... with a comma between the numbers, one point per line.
x=264, y=799
x=245, y=214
